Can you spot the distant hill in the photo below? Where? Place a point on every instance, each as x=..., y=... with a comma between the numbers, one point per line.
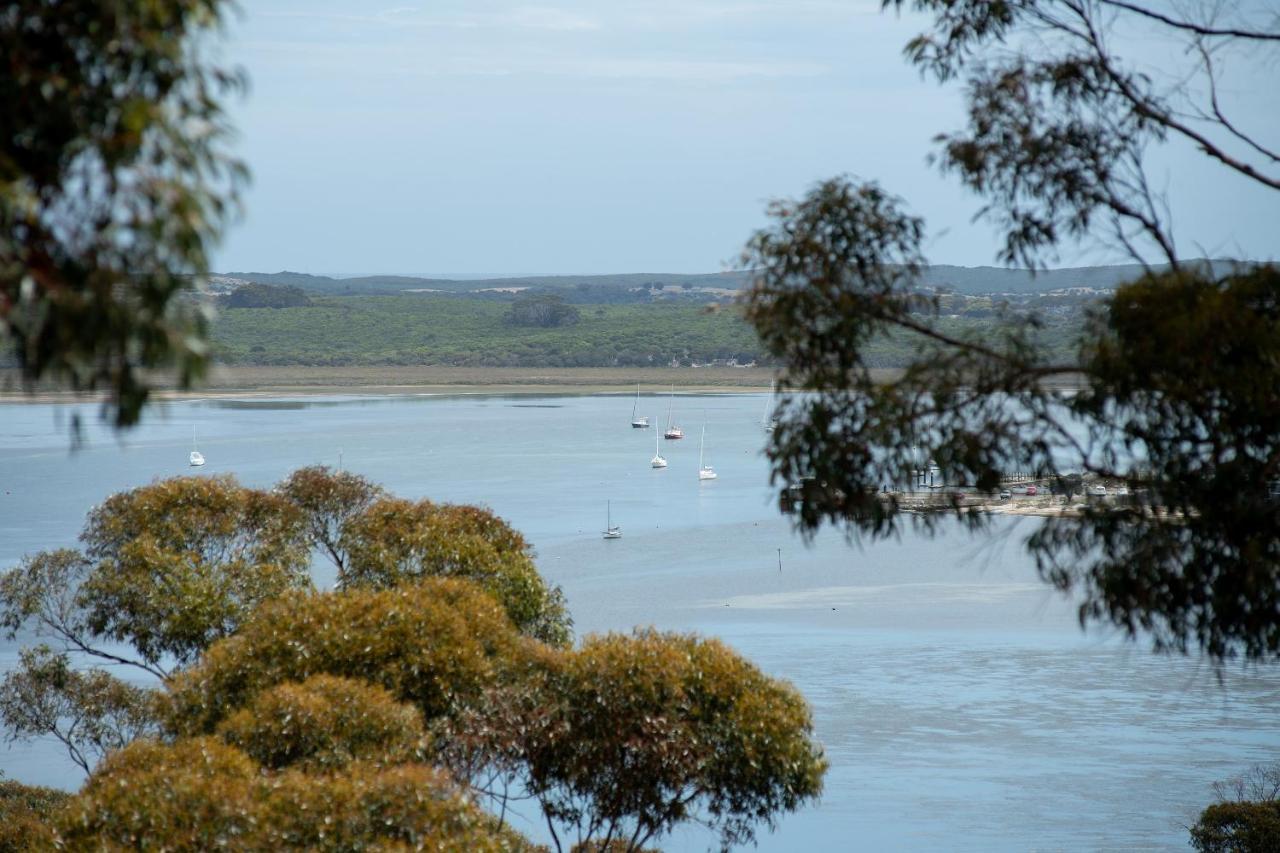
x=970, y=280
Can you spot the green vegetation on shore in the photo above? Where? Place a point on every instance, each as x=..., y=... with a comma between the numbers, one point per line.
x=467, y=332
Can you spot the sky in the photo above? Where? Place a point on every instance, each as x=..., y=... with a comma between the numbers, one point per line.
x=574, y=137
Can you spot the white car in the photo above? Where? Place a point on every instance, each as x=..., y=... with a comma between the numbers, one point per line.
x=1098, y=491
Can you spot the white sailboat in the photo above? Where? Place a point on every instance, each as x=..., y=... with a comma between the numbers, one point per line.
x=196, y=459
x=766, y=420
x=705, y=472
x=657, y=461
x=673, y=432
x=641, y=422
x=611, y=530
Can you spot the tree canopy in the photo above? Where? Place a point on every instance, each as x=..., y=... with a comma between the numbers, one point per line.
x=1246, y=818
x=1174, y=380
x=546, y=310
x=436, y=679
x=267, y=296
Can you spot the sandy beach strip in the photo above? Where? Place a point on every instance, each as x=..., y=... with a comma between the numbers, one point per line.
x=290, y=381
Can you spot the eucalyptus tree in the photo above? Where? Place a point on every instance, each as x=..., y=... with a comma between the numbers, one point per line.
x=116, y=180
x=1178, y=372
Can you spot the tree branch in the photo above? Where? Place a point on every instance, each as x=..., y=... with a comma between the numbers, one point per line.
x=1188, y=26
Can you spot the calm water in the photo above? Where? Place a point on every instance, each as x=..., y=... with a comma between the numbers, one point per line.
x=960, y=704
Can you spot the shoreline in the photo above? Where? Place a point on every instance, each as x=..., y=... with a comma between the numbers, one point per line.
x=301, y=382
x=298, y=382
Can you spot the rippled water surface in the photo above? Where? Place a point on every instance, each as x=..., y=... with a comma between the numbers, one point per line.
x=960, y=704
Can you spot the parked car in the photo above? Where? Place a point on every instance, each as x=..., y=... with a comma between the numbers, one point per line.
x=1098, y=491
x=1031, y=491
x=1005, y=494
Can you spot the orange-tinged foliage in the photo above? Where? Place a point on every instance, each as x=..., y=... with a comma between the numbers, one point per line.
x=25, y=813
x=201, y=794
x=327, y=500
x=325, y=723
x=182, y=562
x=396, y=540
x=631, y=735
x=213, y=517
x=434, y=644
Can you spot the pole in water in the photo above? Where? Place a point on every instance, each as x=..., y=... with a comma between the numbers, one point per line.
x=779, y=559
x=339, y=458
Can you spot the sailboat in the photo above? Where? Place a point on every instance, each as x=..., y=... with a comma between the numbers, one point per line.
x=673, y=432
x=196, y=459
x=769, y=423
x=641, y=422
x=611, y=531
x=705, y=472
x=657, y=461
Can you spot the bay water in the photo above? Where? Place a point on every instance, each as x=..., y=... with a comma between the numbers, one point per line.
x=959, y=702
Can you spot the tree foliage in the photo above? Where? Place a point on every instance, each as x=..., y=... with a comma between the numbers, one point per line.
x=200, y=794
x=395, y=540
x=183, y=561
x=626, y=737
x=1178, y=372
x=324, y=724
x=1246, y=818
x=328, y=500
x=267, y=296
x=89, y=711
x=1238, y=828
x=167, y=569
x=439, y=674
x=26, y=816
x=434, y=643
x=115, y=182
x=545, y=310
x=1063, y=105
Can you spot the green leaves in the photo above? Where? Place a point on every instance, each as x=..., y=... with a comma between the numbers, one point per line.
x=115, y=182
x=629, y=736
x=394, y=541
x=90, y=711
x=837, y=274
x=200, y=794
x=359, y=717
x=1183, y=372
x=434, y=643
x=325, y=723
x=1178, y=376
x=184, y=561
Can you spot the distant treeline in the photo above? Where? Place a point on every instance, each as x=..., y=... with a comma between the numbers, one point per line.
x=267, y=296
x=610, y=288
x=453, y=330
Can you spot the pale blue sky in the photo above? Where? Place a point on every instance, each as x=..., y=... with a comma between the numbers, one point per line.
x=627, y=136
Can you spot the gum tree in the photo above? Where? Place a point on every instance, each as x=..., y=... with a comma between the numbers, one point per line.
x=381, y=712
x=115, y=183
x=1178, y=372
